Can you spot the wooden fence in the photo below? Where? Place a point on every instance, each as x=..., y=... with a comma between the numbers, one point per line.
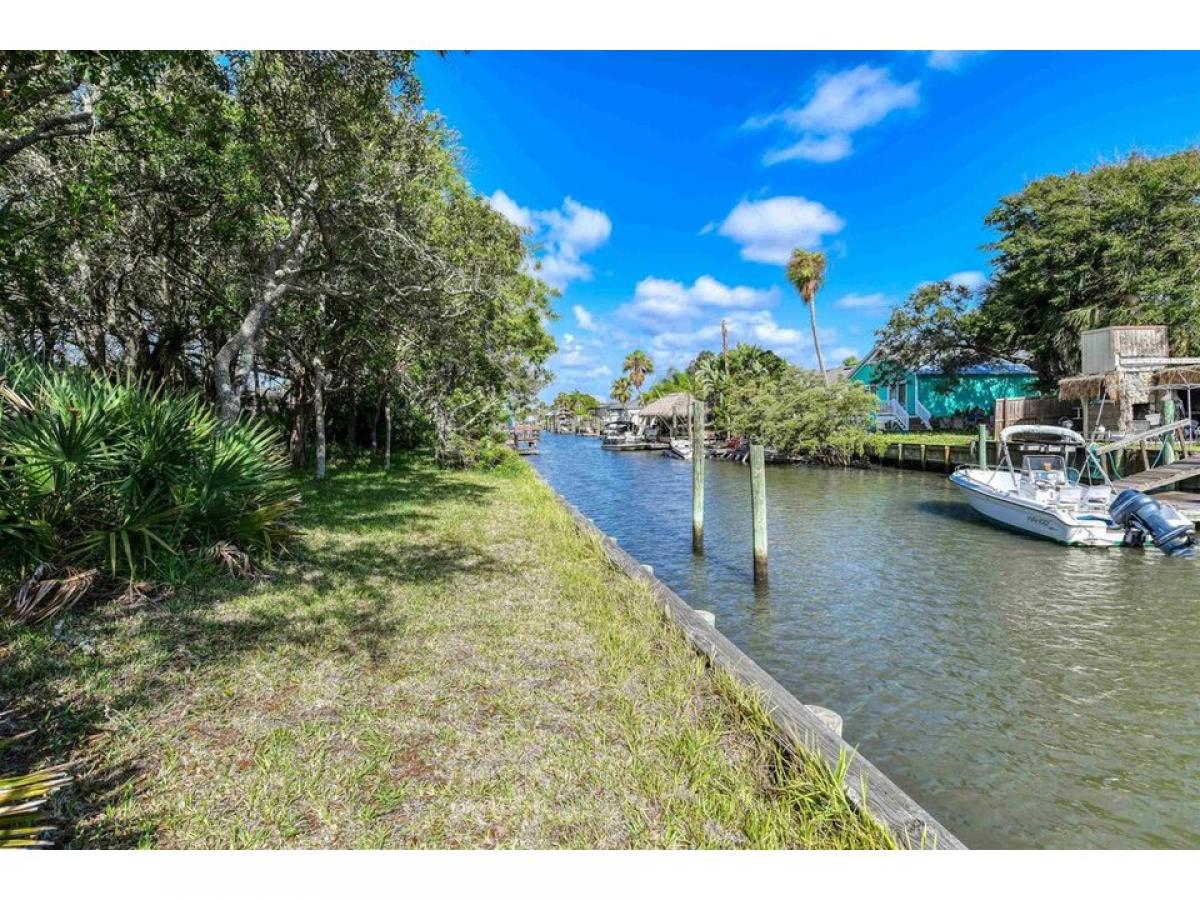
x=1033, y=411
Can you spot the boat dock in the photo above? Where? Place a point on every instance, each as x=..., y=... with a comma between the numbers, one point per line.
x=524, y=439
x=635, y=445
x=1161, y=476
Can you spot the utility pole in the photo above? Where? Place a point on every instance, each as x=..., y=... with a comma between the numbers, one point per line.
x=725, y=345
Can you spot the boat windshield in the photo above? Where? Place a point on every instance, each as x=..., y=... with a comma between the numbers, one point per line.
x=1045, y=467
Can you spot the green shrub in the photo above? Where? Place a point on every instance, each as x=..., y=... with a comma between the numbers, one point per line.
x=494, y=454
x=797, y=413
x=103, y=482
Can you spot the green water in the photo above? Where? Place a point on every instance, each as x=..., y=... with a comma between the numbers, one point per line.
x=1027, y=694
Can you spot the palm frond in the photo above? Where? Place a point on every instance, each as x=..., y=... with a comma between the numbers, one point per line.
x=40, y=596
x=25, y=820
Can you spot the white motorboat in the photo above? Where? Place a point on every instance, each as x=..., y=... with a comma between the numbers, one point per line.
x=1047, y=498
x=681, y=448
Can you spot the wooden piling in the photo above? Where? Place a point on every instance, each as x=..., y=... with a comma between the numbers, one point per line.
x=1167, y=457
x=697, y=477
x=758, y=503
x=982, y=442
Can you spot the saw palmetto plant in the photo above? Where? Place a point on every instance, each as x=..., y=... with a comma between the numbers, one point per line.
x=103, y=482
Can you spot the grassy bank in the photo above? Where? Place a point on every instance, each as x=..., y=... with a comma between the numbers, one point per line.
x=446, y=663
x=954, y=438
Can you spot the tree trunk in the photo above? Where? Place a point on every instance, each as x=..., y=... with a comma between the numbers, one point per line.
x=232, y=362
x=812, y=314
x=375, y=425
x=319, y=412
x=254, y=373
x=225, y=375
x=300, y=433
x=387, y=432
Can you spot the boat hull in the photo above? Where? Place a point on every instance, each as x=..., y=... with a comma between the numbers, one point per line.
x=1039, y=521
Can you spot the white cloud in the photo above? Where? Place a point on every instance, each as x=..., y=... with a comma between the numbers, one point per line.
x=862, y=301
x=972, y=281
x=949, y=60
x=678, y=346
x=841, y=104
x=572, y=354
x=507, y=207
x=768, y=230
x=584, y=319
x=567, y=232
x=577, y=228
x=658, y=299
x=811, y=148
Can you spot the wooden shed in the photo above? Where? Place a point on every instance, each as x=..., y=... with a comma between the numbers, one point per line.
x=1105, y=350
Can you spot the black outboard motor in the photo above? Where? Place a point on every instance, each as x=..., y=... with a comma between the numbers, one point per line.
x=1140, y=515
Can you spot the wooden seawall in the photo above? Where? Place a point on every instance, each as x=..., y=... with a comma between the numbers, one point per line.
x=797, y=728
x=931, y=457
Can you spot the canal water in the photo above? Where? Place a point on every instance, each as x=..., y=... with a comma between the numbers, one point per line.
x=1027, y=694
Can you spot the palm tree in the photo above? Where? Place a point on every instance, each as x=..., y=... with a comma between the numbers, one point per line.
x=621, y=390
x=806, y=272
x=711, y=377
x=637, y=366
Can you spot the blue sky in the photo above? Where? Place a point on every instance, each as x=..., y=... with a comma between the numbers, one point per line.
x=663, y=190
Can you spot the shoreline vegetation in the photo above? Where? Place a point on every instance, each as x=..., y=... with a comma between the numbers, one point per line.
x=445, y=662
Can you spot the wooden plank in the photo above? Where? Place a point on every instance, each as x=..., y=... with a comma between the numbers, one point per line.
x=798, y=729
x=1162, y=476
x=1135, y=438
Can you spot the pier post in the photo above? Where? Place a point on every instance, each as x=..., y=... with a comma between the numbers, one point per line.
x=1168, y=416
x=758, y=501
x=697, y=476
x=982, y=441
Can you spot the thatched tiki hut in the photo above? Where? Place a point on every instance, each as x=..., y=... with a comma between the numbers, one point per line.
x=669, y=415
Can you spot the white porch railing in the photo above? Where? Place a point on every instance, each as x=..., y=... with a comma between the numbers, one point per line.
x=891, y=409
x=925, y=416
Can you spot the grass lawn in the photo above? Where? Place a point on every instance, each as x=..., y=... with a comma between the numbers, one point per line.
x=931, y=437
x=446, y=662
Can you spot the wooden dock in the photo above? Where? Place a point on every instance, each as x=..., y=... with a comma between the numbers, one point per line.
x=638, y=445
x=1160, y=476
x=525, y=439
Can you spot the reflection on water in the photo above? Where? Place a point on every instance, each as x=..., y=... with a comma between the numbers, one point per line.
x=1029, y=695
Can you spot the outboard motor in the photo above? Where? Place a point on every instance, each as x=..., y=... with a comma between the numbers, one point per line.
x=1140, y=515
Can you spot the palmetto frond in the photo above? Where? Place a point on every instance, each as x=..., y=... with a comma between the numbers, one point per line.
x=25, y=820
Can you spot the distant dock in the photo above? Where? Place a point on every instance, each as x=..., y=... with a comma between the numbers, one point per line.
x=635, y=445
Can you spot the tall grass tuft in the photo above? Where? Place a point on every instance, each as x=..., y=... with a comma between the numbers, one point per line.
x=105, y=482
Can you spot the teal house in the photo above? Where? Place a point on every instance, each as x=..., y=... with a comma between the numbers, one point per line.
x=926, y=394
